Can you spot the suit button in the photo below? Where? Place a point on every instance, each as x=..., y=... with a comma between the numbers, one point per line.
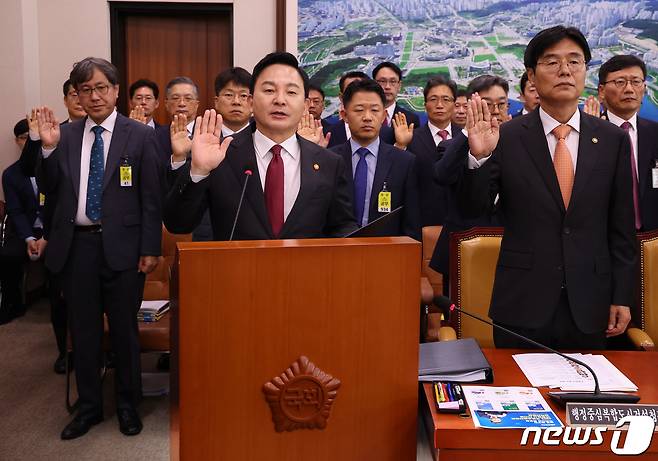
x=567, y=231
x=559, y=268
x=72, y=221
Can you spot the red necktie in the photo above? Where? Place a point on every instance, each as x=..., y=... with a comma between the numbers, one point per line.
x=443, y=134
x=636, y=196
x=274, y=190
x=386, y=123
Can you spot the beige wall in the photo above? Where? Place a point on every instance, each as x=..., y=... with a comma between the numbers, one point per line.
x=42, y=38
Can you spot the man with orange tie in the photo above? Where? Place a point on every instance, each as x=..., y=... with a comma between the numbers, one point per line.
x=565, y=273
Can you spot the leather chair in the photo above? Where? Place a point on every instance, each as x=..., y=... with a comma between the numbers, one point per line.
x=646, y=326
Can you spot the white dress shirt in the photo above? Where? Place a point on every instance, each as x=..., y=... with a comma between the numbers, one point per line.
x=190, y=129
x=88, y=137
x=226, y=131
x=371, y=163
x=151, y=123
x=632, y=133
x=390, y=111
x=348, y=133
x=435, y=132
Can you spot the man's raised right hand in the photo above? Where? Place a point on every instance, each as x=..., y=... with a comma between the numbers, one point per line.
x=48, y=127
x=207, y=152
x=483, y=129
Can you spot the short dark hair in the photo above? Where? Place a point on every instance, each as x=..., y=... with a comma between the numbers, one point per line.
x=144, y=82
x=620, y=62
x=367, y=85
x=549, y=37
x=484, y=82
x=279, y=57
x=236, y=75
x=181, y=81
x=388, y=65
x=65, y=87
x=21, y=127
x=524, y=81
x=351, y=74
x=317, y=88
x=461, y=92
x=440, y=80
x=84, y=70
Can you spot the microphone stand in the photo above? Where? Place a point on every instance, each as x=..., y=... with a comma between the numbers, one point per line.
x=247, y=174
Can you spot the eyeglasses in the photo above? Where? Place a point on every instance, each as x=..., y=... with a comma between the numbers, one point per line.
x=385, y=82
x=145, y=98
x=500, y=106
x=178, y=98
x=553, y=65
x=100, y=90
x=231, y=96
x=621, y=82
x=442, y=99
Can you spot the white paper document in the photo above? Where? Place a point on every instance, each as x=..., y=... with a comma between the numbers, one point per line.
x=557, y=372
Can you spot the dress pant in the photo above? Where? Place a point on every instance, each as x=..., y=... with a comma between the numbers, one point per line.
x=92, y=288
x=57, y=311
x=13, y=256
x=560, y=333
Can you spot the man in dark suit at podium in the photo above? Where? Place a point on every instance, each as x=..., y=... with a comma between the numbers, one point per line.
x=297, y=189
x=384, y=177
x=565, y=273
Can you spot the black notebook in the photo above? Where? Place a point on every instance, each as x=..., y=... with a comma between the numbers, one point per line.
x=458, y=361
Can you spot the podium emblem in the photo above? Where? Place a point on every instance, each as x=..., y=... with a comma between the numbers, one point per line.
x=301, y=397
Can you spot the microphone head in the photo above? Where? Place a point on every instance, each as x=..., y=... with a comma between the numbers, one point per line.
x=452, y=307
x=248, y=169
x=444, y=303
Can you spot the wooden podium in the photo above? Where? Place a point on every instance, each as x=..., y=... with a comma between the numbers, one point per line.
x=244, y=315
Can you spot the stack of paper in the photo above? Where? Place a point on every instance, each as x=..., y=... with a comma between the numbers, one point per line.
x=152, y=311
x=557, y=372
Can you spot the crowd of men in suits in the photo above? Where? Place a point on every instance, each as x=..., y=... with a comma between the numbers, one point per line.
x=570, y=188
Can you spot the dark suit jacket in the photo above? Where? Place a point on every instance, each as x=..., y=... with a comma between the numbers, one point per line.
x=323, y=207
x=396, y=168
x=22, y=202
x=131, y=216
x=647, y=147
x=339, y=137
x=590, y=248
x=163, y=139
x=325, y=126
x=411, y=116
x=432, y=195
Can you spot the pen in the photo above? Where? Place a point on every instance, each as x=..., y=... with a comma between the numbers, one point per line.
x=436, y=393
x=451, y=391
x=441, y=394
x=446, y=392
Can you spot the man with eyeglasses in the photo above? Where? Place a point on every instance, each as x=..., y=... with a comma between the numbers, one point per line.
x=144, y=96
x=621, y=86
x=316, y=105
x=493, y=90
x=105, y=237
x=389, y=77
x=566, y=268
x=232, y=100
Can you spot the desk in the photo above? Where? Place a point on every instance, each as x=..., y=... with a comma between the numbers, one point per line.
x=458, y=440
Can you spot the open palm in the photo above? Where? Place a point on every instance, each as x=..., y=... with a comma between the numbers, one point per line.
x=207, y=152
x=483, y=129
x=48, y=127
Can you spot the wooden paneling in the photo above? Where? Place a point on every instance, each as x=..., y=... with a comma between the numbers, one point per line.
x=247, y=310
x=162, y=46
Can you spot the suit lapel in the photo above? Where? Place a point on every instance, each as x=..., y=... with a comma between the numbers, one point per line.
x=586, y=156
x=345, y=151
x=119, y=139
x=644, y=149
x=75, y=153
x=534, y=141
x=428, y=142
x=384, y=162
x=241, y=154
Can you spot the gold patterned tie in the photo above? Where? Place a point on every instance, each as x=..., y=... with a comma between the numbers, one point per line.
x=563, y=163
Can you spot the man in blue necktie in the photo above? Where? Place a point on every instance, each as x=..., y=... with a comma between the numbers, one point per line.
x=106, y=234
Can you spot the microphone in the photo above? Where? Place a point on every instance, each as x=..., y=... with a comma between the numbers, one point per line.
x=445, y=304
x=248, y=171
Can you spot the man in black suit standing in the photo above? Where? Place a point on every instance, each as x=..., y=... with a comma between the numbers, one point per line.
x=565, y=274
x=389, y=76
x=383, y=176
x=528, y=96
x=316, y=106
x=622, y=86
x=144, y=94
x=106, y=235
x=297, y=189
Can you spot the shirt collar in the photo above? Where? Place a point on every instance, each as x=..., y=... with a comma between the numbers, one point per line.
x=151, y=123
x=107, y=124
x=190, y=127
x=264, y=144
x=391, y=111
x=373, y=147
x=226, y=131
x=549, y=123
x=435, y=130
x=617, y=120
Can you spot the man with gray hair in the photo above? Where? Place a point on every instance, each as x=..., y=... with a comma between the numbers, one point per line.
x=106, y=235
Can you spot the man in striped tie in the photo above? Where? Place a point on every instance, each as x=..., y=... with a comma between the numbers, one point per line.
x=565, y=273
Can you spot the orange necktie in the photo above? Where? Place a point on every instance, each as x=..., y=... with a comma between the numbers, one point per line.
x=563, y=163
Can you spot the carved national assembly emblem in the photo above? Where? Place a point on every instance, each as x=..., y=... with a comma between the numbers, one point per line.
x=301, y=397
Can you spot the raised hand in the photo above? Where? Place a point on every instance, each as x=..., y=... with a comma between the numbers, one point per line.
x=483, y=129
x=592, y=106
x=33, y=123
x=403, y=133
x=138, y=114
x=181, y=144
x=310, y=129
x=48, y=127
x=207, y=152
x=324, y=142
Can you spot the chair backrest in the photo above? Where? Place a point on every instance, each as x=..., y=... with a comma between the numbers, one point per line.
x=473, y=259
x=648, y=245
x=169, y=241
x=430, y=237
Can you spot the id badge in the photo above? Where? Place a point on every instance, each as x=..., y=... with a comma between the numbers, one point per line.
x=384, y=202
x=42, y=199
x=126, y=175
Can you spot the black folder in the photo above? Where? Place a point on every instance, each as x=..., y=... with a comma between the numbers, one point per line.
x=373, y=229
x=458, y=361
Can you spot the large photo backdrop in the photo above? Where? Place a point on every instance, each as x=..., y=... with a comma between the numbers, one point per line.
x=465, y=38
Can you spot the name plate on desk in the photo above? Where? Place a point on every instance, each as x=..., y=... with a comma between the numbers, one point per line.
x=606, y=414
